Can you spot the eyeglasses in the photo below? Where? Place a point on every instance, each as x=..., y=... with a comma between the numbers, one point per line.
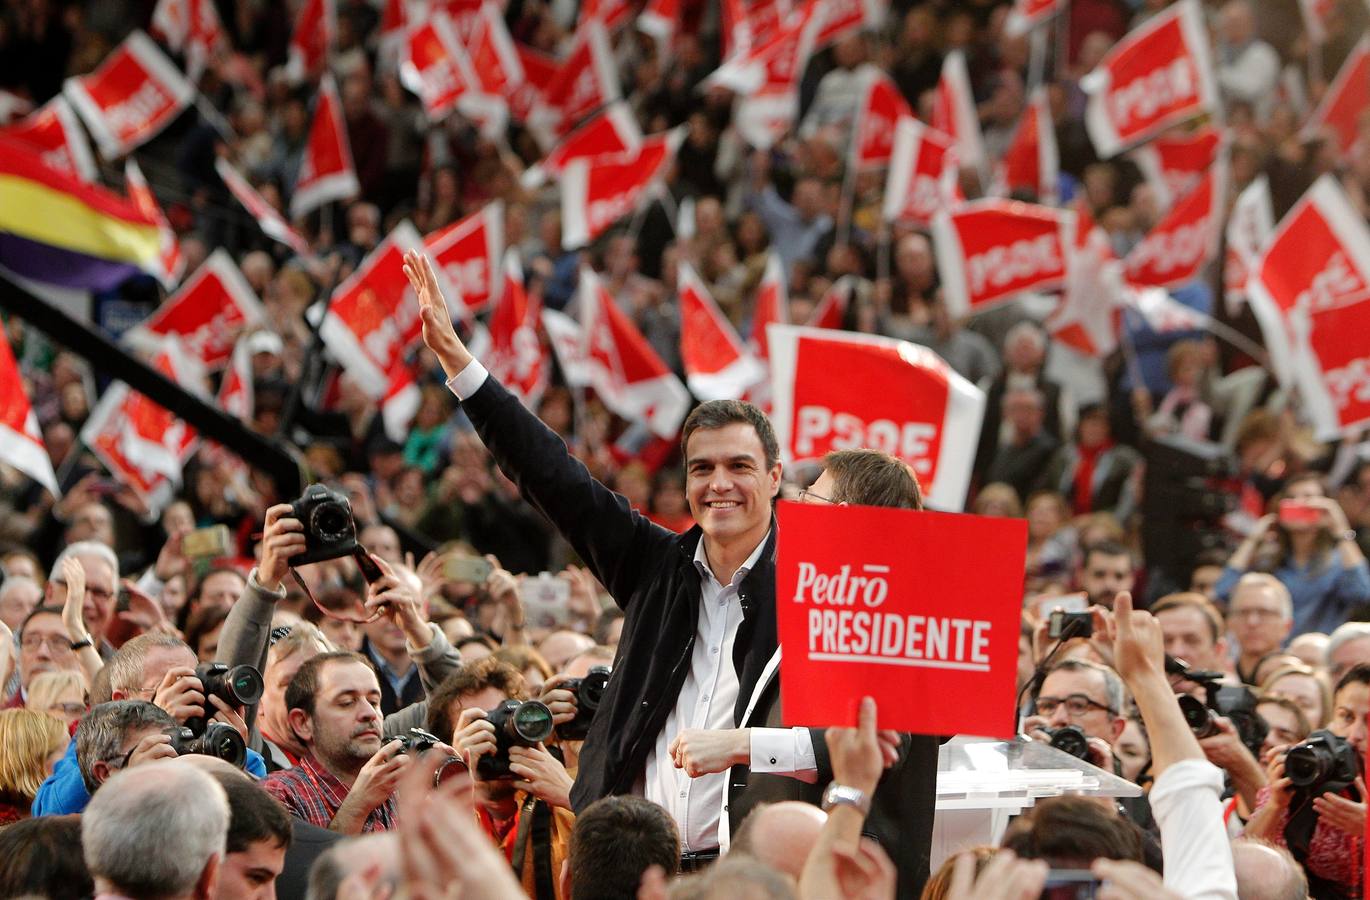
x=57, y=643
x=1255, y=612
x=124, y=758
x=805, y=494
x=1076, y=705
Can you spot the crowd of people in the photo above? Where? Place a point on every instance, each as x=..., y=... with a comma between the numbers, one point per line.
x=548, y=673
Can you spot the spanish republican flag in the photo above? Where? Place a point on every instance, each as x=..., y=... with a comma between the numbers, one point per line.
x=57, y=229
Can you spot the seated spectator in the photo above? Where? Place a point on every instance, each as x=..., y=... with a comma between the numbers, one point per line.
x=43, y=858
x=156, y=832
x=30, y=745
x=1094, y=472
x=1183, y=410
x=615, y=841
x=1306, y=688
x=1051, y=540
x=1022, y=457
x=998, y=499
x=61, y=694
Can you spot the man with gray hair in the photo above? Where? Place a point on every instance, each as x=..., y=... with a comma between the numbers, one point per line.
x=157, y=833
x=19, y=596
x=102, y=587
x=1348, y=645
x=1260, y=615
x=350, y=856
x=120, y=735
x=1084, y=694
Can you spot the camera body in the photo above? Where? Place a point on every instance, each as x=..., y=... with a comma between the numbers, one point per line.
x=1075, y=624
x=236, y=686
x=1234, y=701
x=217, y=739
x=589, y=691
x=1070, y=739
x=1322, y=764
x=518, y=723
x=329, y=529
x=415, y=740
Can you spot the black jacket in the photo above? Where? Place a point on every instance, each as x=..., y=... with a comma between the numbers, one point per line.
x=650, y=573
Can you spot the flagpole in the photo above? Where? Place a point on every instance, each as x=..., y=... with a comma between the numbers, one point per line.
x=882, y=251
x=844, y=209
x=1037, y=59
x=1226, y=332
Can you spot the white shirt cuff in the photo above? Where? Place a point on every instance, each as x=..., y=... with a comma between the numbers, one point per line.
x=468, y=380
x=784, y=751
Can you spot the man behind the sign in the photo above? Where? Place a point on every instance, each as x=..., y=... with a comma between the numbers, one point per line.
x=699, y=608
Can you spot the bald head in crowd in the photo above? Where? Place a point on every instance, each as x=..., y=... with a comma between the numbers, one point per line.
x=1267, y=872
x=781, y=835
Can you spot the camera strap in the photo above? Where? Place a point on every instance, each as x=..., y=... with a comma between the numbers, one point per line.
x=535, y=818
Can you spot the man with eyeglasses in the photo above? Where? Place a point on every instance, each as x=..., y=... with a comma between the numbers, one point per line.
x=119, y=735
x=1260, y=616
x=44, y=646
x=1084, y=694
x=102, y=584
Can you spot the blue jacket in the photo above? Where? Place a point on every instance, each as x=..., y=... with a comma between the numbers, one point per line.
x=65, y=792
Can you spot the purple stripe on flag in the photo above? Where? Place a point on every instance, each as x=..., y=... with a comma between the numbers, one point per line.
x=61, y=267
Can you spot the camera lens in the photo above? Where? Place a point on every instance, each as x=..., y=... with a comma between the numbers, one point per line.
x=1197, y=716
x=1307, y=765
x=532, y=721
x=331, y=522
x=592, y=688
x=1070, y=739
x=245, y=683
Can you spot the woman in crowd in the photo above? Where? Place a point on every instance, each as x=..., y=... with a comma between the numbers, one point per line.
x=1305, y=687
x=32, y=742
x=61, y=693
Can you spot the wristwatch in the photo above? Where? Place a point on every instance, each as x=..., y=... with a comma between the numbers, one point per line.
x=841, y=794
x=1349, y=535
x=83, y=643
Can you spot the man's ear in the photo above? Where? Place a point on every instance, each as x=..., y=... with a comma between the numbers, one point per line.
x=775, y=476
x=301, y=723
x=207, y=887
x=1119, y=723
x=99, y=771
x=118, y=694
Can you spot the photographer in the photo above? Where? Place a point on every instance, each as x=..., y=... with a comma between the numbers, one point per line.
x=1333, y=852
x=1084, y=695
x=119, y=735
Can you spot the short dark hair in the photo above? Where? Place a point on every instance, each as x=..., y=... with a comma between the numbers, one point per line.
x=1357, y=674
x=1067, y=831
x=104, y=729
x=479, y=675
x=871, y=478
x=722, y=413
x=38, y=611
x=304, y=687
x=606, y=621
x=1195, y=601
x=42, y=857
x=201, y=622
x=615, y=840
x=253, y=814
x=1106, y=548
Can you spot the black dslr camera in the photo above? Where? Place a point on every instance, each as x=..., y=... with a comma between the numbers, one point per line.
x=217, y=739
x=589, y=691
x=1071, y=739
x=1323, y=764
x=415, y=741
x=329, y=529
x=236, y=686
x=1234, y=701
x=518, y=723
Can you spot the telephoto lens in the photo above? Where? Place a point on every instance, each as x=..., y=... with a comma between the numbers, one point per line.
x=1198, y=717
x=218, y=740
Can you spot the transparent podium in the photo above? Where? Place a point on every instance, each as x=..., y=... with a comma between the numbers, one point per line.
x=982, y=783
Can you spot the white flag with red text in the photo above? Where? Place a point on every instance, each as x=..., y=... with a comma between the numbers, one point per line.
x=1249, y=226
x=767, y=77
x=53, y=131
x=133, y=95
x=1174, y=163
x=21, y=443
x=170, y=264
x=467, y=254
x=717, y=365
x=953, y=111
x=567, y=338
x=771, y=307
x=315, y=28
x=923, y=412
x=1310, y=291
x=193, y=29
x=1164, y=314
x=1187, y=237
x=515, y=357
x=1031, y=164
x=882, y=107
x=272, y=223
x=494, y=57
x=627, y=374
x=1158, y=75
x=597, y=192
x=207, y=313
x=1342, y=110
x=923, y=177
x=237, y=395
x=326, y=170
x=989, y=251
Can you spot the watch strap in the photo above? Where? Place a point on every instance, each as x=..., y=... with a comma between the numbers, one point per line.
x=843, y=795
x=83, y=643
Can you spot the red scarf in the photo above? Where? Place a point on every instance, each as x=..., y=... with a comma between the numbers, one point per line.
x=1084, y=476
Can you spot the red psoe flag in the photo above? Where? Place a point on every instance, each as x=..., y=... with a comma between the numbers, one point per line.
x=1309, y=292
x=1089, y=317
x=1028, y=14
x=467, y=254
x=272, y=223
x=21, y=443
x=953, y=111
x=882, y=107
x=717, y=365
x=923, y=412
x=315, y=28
x=1031, y=162
x=627, y=374
x=494, y=57
x=53, y=131
x=171, y=265
x=131, y=97
x=1186, y=238
x=435, y=66
x=1175, y=163
x=193, y=29
x=207, y=314
x=612, y=131
x=831, y=310
x=326, y=170
x=923, y=174
x=236, y=391
x=990, y=250
x=586, y=80
x=1344, y=105
x=1249, y=226
x=1160, y=74
x=516, y=357
x=595, y=193
x=771, y=307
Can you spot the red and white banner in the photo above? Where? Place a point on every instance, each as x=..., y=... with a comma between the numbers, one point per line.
x=1031, y=164
x=918, y=610
x=771, y=307
x=746, y=25
x=717, y=365
x=527, y=103
x=595, y=193
x=882, y=107
x=494, y=57
x=1157, y=76
x=54, y=132
x=1310, y=294
x=1178, y=246
x=1175, y=163
x=435, y=66
x=991, y=250
x=627, y=374
x=923, y=177
x=326, y=170
x=612, y=132
x=1316, y=14
x=374, y=317
x=1028, y=14
x=133, y=95
x=272, y=223
x=658, y=21
x=207, y=314
x=767, y=77
x=1088, y=318
x=1343, y=107
x=315, y=28
x=831, y=310
x=586, y=80
x=193, y=29
x=843, y=17
x=467, y=254
x=21, y=442
x=171, y=265
x=1249, y=226
x=400, y=403
x=953, y=111
x=567, y=338
x=1164, y=314
x=237, y=395
x=923, y=413
x=13, y=106
x=515, y=357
